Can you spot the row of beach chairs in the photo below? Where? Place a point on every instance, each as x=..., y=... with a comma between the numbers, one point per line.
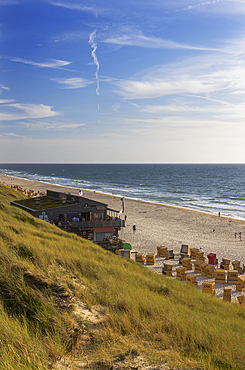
x=223, y=275
x=30, y=193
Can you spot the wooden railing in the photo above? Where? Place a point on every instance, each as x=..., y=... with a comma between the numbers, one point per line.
x=91, y=224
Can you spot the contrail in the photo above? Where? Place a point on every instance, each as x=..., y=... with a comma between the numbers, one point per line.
x=93, y=44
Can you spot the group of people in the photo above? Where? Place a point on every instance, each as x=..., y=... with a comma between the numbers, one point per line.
x=110, y=218
x=108, y=239
x=239, y=235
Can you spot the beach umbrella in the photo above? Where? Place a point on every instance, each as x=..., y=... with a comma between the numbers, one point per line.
x=127, y=246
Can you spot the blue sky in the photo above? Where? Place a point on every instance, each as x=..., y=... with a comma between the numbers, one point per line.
x=122, y=81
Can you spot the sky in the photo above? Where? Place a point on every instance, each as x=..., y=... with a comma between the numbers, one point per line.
x=132, y=81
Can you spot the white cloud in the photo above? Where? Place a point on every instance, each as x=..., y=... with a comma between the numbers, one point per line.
x=116, y=107
x=54, y=63
x=70, y=125
x=199, y=5
x=212, y=6
x=171, y=108
x=5, y=101
x=222, y=112
x=13, y=135
x=132, y=37
x=71, y=36
x=42, y=125
x=72, y=83
x=203, y=74
x=4, y=87
x=151, y=88
x=33, y=111
x=79, y=7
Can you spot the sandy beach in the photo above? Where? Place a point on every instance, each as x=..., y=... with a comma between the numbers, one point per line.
x=158, y=224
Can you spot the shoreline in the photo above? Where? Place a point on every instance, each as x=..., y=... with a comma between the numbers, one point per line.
x=167, y=225
x=47, y=184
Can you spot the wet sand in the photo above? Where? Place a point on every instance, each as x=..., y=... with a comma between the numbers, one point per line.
x=158, y=224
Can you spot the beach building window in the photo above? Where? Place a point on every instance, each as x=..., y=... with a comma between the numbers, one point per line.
x=96, y=216
x=101, y=216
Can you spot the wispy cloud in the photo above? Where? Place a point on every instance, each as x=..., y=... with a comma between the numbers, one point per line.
x=79, y=7
x=14, y=136
x=70, y=126
x=131, y=89
x=71, y=36
x=200, y=5
x=223, y=111
x=131, y=37
x=173, y=122
x=203, y=74
x=43, y=125
x=25, y=111
x=72, y=83
x=116, y=107
x=212, y=6
x=2, y=87
x=93, y=43
x=175, y=108
x=54, y=63
x=5, y=101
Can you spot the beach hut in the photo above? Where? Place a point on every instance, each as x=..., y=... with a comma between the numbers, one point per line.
x=185, y=249
x=191, y=279
x=227, y=294
x=232, y=277
x=194, y=252
x=240, y=284
x=186, y=262
x=150, y=259
x=140, y=258
x=208, y=286
x=236, y=266
x=181, y=273
x=211, y=258
x=241, y=300
x=220, y=276
x=167, y=269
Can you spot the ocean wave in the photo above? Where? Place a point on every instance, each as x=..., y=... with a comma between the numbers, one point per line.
x=176, y=191
x=220, y=202
x=176, y=185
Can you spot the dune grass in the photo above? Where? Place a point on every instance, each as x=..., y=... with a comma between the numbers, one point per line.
x=146, y=313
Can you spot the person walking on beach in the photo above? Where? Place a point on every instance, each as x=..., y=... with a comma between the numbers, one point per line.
x=134, y=228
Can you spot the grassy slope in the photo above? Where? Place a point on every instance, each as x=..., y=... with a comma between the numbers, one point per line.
x=158, y=317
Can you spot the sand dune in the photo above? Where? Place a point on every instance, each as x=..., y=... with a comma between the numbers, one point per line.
x=158, y=224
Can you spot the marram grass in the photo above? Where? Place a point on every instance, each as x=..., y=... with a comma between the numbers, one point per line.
x=146, y=313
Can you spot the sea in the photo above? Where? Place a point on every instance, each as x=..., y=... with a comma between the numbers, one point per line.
x=211, y=188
